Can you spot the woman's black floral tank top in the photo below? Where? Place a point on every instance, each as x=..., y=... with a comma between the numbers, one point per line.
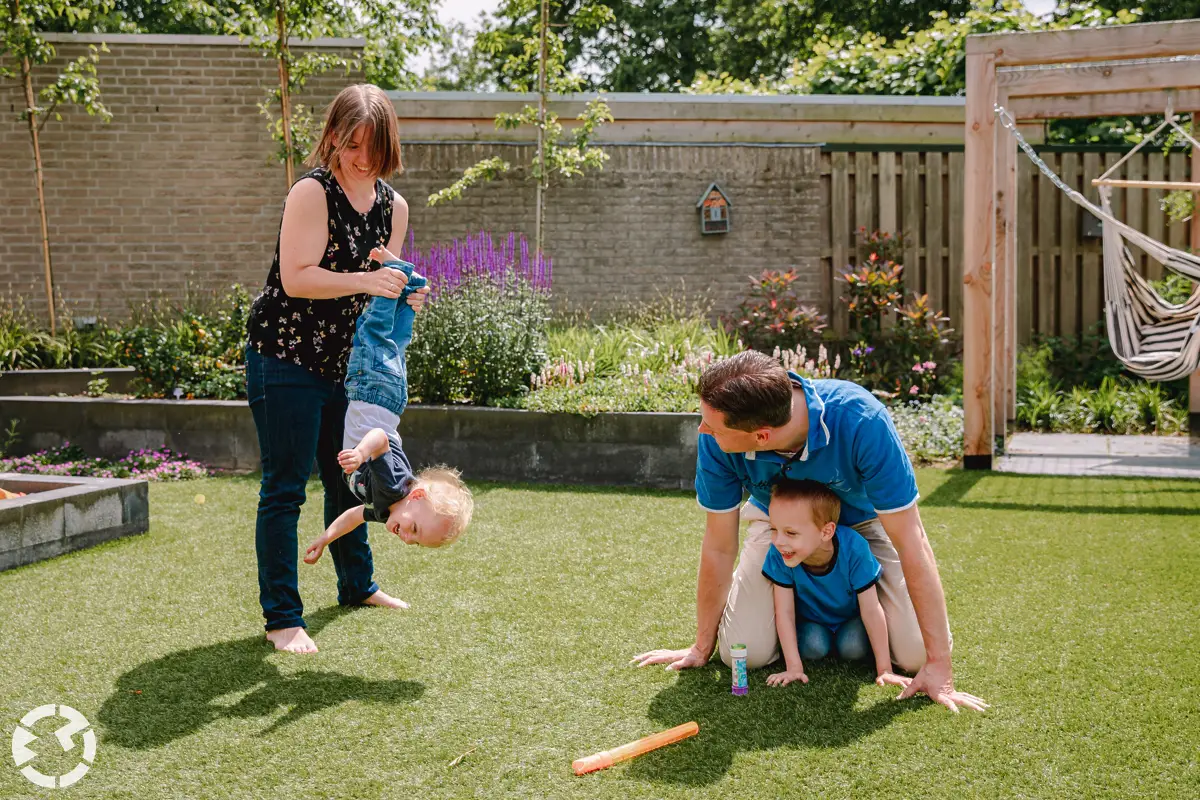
x=316, y=334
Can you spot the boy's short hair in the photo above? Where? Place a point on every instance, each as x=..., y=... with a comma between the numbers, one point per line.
x=751, y=389
x=450, y=497
x=825, y=505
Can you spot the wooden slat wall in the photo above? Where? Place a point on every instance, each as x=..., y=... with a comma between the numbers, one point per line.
x=1059, y=271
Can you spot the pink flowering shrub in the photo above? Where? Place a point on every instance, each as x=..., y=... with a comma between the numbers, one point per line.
x=69, y=459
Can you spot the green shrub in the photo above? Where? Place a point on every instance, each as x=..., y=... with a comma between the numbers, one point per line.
x=900, y=349
x=646, y=343
x=8, y=438
x=478, y=342
x=195, y=349
x=1087, y=363
x=575, y=387
x=1040, y=406
x=1084, y=360
x=22, y=346
x=770, y=315
x=931, y=431
x=1118, y=406
x=1175, y=288
x=646, y=391
x=1155, y=411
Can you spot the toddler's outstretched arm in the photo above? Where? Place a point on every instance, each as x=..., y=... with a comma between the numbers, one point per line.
x=348, y=521
x=876, y=624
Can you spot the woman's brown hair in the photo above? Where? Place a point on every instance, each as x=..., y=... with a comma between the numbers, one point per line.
x=361, y=104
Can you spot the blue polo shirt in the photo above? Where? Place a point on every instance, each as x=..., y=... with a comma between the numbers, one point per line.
x=852, y=448
x=830, y=598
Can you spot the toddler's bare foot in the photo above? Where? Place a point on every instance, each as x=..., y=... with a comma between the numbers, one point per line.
x=350, y=460
x=382, y=254
x=385, y=600
x=292, y=640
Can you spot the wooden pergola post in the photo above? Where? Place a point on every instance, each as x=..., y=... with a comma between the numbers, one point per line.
x=978, y=252
x=1064, y=86
x=1194, y=380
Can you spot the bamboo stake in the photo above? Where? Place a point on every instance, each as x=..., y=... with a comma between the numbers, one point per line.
x=284, y=98
x=27, y=80
x=541, y=142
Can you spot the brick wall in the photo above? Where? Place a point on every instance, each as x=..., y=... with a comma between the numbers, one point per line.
x=179, y=193
x=632, y=231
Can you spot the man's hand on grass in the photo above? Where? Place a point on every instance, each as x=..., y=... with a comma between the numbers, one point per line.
x=674, y=659
x=937, y=680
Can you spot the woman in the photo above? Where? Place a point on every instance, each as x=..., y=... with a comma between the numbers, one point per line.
x=300, y=329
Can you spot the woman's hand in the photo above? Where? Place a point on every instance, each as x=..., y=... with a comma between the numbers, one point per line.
x=384, y=282
x=417, y=298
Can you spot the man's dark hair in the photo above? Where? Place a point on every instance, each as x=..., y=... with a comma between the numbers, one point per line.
x=825, y=504
x=751, y=389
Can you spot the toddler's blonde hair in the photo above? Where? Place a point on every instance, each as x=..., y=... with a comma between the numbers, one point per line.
x=450, y=497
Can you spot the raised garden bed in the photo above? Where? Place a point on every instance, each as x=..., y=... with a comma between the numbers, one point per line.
x=58, y=515
x=26, y=382
x=628, y=449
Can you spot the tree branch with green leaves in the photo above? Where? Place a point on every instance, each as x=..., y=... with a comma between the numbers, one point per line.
x=534, y=60
x=21, y=49
x=394, y=31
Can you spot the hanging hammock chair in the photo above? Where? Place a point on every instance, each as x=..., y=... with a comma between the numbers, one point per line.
x=1157, y=340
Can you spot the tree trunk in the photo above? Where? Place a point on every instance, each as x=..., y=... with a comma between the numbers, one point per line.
x=27, y=80
x=284, y=98
x=541, y=144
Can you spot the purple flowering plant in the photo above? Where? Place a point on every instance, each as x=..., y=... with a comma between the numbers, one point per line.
x=450, y=264
x=69, y=459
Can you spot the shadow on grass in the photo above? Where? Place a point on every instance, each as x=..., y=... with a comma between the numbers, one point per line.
x=1006, y=491
x=818, y=715
x=174, y=696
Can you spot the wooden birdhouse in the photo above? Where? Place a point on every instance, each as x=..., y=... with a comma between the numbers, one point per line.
x=714, y=210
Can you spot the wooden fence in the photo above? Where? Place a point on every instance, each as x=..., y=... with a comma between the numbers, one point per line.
x=920, y=194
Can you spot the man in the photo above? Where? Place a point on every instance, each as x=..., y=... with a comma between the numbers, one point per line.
x=759, y=423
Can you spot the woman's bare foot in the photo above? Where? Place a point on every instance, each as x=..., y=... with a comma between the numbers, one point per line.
x=351, y=459
x=384, y=600
x=292, y=640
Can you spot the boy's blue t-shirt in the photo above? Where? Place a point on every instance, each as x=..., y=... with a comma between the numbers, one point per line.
x=852, y=448
x=832, y=598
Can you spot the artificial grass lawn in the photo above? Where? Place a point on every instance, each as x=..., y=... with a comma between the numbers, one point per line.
x=1072, y=601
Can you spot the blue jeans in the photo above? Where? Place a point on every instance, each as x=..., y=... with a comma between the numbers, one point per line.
x=377, y=371
x=850, y=639
x=299, y=417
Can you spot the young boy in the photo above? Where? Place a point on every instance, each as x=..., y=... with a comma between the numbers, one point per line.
x=430, y=509
x=826, y=573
